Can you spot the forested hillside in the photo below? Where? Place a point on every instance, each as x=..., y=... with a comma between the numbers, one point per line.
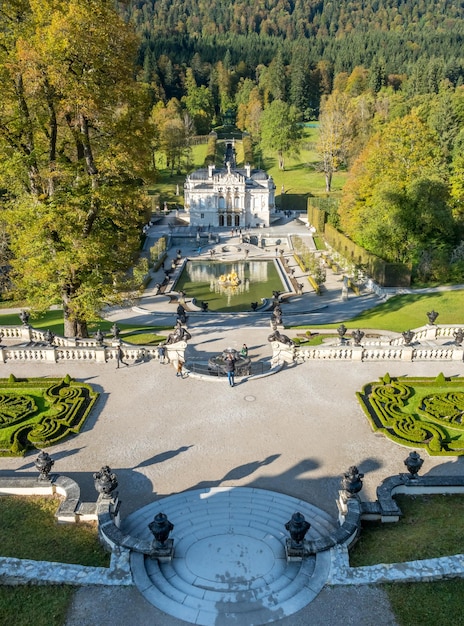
x=344, y=33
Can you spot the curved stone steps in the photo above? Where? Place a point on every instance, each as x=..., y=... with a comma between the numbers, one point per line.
x=229, y=557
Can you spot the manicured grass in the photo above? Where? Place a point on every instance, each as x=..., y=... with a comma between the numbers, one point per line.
x=431, y=526
x=407, y=311
x=428, y=604
x=53, y=320
x=29, y=531
x=37, y=605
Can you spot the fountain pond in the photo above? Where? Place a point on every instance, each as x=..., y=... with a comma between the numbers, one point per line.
x=230, y=286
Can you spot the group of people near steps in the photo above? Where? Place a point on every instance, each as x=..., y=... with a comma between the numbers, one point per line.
x=229, y=365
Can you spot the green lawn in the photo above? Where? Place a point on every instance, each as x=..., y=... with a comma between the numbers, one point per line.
x=432, y=526
x=32, y=519
x=408, y=311
x=29, y=531
x=53, y=320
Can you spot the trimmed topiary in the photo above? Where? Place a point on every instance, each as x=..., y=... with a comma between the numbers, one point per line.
x=418, y=412
x=39, y=412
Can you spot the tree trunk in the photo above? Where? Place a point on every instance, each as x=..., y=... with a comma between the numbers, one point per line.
x=72, y=327
x=328, y=182
x=26, y=144
x=52, y=139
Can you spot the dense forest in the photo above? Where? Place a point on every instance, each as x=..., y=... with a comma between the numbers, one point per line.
x=342, y=34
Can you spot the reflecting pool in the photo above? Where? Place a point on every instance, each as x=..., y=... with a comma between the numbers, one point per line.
x=229, y=286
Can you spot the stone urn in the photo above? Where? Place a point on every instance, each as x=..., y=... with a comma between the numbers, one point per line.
x=44, y=464
x=297, y=526
x=105, y=482
x=160, y=527
x=352, y=481
x=413, y=464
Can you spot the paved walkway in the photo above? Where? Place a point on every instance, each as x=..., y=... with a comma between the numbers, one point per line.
x=291, y=435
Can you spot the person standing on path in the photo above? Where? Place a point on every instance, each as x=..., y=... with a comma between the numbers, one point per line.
x=179, y=368
x=230, y=369
x=120, y=357
x=244, y=350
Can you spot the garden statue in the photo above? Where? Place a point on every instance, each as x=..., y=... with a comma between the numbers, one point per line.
x=408, y=336
x=179, y=334
x=458, y=336
x=357, y=337
x=181, y=315
x=49, y=337
x=115, y=331
x=43, y=464
x=99, y=336
x=277, y=315
x=352, y=481
x=276, y=295
x=160, y=527
x=413, y=464
x=24, y=317
x=432, y=317
x=276, y=336
x=204, y=306
x=105, y=482
x=297, y=527
x=341, y=330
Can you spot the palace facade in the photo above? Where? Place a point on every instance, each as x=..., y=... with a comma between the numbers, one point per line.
x=229, y=196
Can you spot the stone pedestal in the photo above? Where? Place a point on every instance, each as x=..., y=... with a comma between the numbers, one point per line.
x=406, y=353
x=296, y=553
x=163, y=553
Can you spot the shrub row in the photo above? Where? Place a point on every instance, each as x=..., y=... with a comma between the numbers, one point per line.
x=386, y=274
x=210, y=158
x=247, y=149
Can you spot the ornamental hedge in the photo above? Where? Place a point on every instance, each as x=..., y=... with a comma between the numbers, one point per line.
x=39, y=412
x=418, y=412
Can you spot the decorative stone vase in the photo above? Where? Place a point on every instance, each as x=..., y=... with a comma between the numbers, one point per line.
x=413, y=464
x=458, y=336
x=408, y=336
x=352, y=481
x=105, y=482
x=297, y=526
x=432, y=316
x=44, y=464
x=160, y=527
x=357, y=336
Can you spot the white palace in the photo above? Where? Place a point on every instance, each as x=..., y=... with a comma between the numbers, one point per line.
x=229, y=196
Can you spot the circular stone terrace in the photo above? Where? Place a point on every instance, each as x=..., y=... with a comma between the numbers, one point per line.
x=229, y=562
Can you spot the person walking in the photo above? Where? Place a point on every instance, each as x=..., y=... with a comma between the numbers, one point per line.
x=179, y=368
x=230, y=369
x=120, y=357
